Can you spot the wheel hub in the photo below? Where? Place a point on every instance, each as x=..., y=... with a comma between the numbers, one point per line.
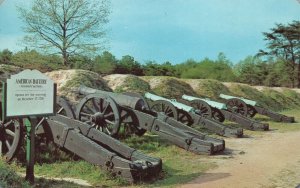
x=98, y=118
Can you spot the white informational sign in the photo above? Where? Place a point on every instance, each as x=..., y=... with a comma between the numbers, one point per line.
x=30, y=93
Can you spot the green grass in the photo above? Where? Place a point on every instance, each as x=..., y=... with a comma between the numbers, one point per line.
x=9, y=178
x=133, y=84
x=170, y=87
x=211, y=88
x=179, y=166
x=280, y=126
x=87, y=78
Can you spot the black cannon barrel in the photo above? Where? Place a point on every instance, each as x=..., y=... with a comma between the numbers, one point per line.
x=123, y=100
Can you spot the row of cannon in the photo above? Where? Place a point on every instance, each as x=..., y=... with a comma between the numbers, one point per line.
x=91, y=128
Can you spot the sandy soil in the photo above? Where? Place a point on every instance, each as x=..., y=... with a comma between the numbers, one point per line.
x=115, y=80
x=271, y=160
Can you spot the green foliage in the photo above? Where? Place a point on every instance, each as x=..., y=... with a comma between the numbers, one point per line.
x=154, y=69
x=5, y=56
x=127, y=65
x=105, y=64
x=208, y=69
x=9, y=178
x=283, y=43
x=81, y=62
x=252, y=71
x=274, y=73
x=185, y=66
x=35, y=60
x=279, y=75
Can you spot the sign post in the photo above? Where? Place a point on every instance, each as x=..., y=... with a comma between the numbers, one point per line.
x=30, y=149
x=29, y=94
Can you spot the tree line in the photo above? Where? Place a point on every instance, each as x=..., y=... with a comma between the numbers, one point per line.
x=251, y=70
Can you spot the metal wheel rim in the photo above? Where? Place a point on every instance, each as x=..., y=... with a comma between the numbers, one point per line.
x=95, y=105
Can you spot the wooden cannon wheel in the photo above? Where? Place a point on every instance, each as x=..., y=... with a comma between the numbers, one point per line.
x=166, y=107
x=10, y=136
x=202, y=107
x=237, y=106
x=130, y=125
x=171, y=111
x=251, y=111
x=217, y=115
x=64, y=108
x=184, y=117
x=100, y=111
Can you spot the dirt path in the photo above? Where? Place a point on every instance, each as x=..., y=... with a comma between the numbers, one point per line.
x=271, y=160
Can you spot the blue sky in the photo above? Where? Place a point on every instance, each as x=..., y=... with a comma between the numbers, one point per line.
x=177, y=30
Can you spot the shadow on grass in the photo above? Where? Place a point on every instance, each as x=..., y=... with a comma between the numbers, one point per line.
x=51, y=183
x=171, y=177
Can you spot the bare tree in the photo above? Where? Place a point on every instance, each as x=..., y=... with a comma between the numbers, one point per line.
x=66, y=27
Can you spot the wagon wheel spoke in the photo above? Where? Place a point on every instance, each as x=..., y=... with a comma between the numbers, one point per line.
x=107, y=130
x=109, y=122
x=162, y=109
x=217, y=115
x=8, y=123
x=96, y=104
x=90, y=110
x=85, y=114
x=60, y=110
x=202, y=108
x=101, y=112
x=9, y=132
x=105, y=108
x=165, y=107
x=1, y=152
x=101, y=105
x=170, y=113
x=166, y=110
x=111, y=114
x=180, y=117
